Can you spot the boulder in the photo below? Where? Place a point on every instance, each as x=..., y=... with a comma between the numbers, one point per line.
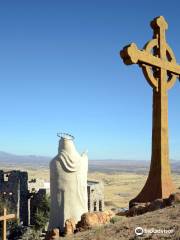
x=156, y=204
x=138, y=209
x=141, y=208
x=109, y=213
x=122, y=213
x=174, y=198
x=52, y=234
x=70, y=226
x=89, y=220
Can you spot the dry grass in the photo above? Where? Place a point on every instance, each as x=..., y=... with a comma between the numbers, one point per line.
x=168, y=218
x=119, y=188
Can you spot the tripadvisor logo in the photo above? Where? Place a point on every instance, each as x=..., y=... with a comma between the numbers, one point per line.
x=139, y=231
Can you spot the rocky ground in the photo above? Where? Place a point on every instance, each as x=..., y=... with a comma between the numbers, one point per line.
x=167, y=220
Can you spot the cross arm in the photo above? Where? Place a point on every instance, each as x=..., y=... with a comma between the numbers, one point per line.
x=10, y=216
x=131, y=55
x=6, y=217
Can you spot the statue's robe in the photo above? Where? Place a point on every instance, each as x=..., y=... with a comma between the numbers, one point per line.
x=68, y=185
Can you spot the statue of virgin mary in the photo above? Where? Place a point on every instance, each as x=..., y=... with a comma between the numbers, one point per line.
x=68, y=184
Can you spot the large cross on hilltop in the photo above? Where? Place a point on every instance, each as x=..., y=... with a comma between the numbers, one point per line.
x=4, y=218
x=161, y=70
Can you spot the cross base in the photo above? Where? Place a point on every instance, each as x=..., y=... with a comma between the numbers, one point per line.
x=154, y=188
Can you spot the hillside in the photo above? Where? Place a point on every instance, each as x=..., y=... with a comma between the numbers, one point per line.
x=168, y=219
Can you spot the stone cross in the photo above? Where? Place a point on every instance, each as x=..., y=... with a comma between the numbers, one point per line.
x=4, y=218
x=159, y=66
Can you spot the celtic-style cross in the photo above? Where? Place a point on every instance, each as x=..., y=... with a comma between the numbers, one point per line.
x=161, y=70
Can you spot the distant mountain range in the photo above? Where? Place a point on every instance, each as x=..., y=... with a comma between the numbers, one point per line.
x=134, y=166
x=8, y=160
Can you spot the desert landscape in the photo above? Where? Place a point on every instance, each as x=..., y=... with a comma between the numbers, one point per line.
x=122, y=179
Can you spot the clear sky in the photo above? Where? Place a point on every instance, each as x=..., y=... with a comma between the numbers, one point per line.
x=60, y=71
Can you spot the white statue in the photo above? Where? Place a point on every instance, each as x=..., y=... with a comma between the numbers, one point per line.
x=68, y=184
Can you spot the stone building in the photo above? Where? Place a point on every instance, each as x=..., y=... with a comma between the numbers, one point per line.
x=14, y=190
x=95, y=190
x=95, y=194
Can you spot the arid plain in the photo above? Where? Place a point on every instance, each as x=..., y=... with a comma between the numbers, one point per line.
x=119, y=188
x=123, y=179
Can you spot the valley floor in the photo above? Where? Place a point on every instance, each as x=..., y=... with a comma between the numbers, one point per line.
x=119, y=187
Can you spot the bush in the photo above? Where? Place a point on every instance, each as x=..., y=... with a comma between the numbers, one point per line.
x=31, y=234
x=42, y=214
x=40, y=220
x=15, y=230
x=115, y=219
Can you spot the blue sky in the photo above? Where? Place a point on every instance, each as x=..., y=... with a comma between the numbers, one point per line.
x=60, y=71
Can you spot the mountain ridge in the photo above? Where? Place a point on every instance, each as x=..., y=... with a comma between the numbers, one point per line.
x=10, y=160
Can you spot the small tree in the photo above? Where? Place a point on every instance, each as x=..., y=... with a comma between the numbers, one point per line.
x=42, y=213
x=31, y=234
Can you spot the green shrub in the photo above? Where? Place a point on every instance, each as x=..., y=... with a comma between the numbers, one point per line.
x=31, y=234
x=115, y=219
x=42, y=214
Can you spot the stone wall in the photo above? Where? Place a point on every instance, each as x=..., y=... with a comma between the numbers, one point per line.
x=14, y=189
